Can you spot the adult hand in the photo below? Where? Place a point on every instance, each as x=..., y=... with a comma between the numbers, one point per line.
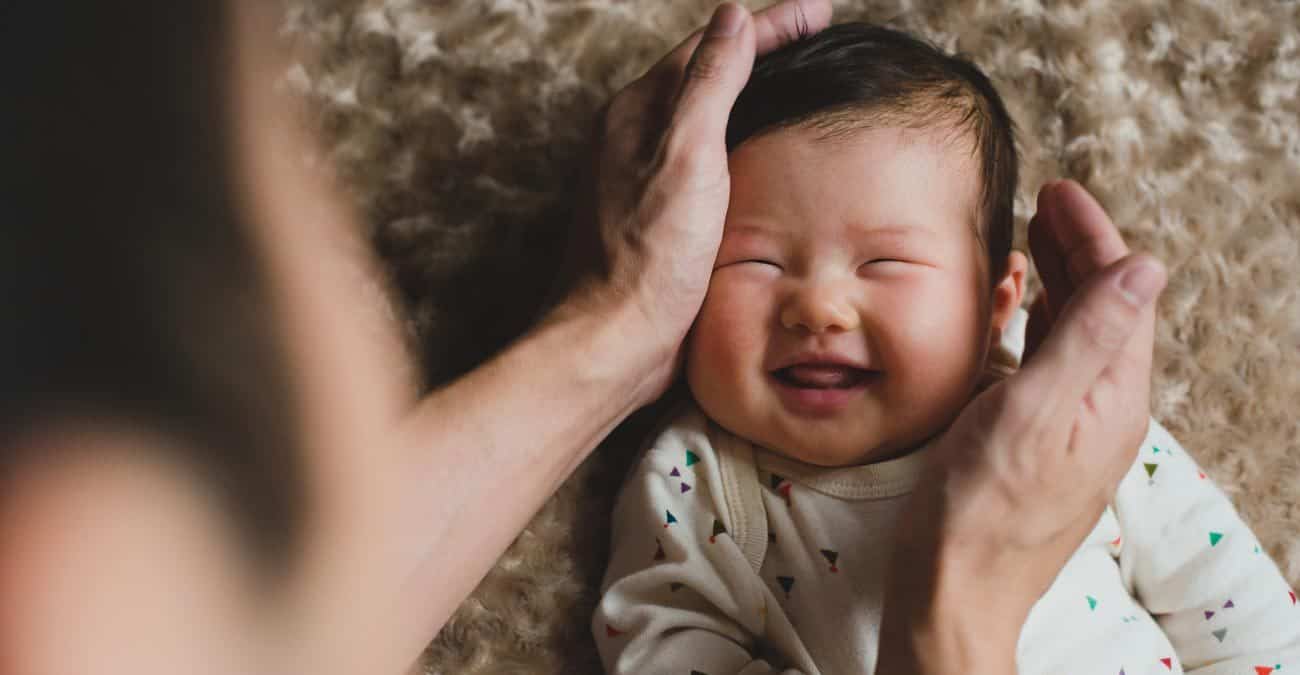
x=658, y=184
x=1022, y=475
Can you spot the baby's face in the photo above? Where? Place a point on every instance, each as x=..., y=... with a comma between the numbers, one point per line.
x=848, y=316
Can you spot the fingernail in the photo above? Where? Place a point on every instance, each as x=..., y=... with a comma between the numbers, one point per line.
x=1142, y=282
x=727, y=19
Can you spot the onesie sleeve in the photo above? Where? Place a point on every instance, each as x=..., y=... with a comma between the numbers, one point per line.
x=679, y=595
x=1196, y=567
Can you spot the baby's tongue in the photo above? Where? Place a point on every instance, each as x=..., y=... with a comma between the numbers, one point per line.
x=822, y=376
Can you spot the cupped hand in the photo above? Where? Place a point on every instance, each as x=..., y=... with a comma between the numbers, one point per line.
x=657, y=187
x=1022, y=475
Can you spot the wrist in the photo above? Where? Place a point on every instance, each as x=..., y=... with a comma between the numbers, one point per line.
x=949, y=607
x=934, y=624
x=937, y=623
x=617, y=349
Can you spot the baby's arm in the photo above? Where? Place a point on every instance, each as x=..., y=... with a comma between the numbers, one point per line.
x=1199, y=570
x=679, y=595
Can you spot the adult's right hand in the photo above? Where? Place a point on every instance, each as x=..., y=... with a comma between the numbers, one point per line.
x=1022, y=475
x=657, y=187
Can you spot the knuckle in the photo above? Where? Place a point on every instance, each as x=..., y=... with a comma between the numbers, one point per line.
x=705, y=65
x=1035, y=477
x=680, y=149
x=1104, y=326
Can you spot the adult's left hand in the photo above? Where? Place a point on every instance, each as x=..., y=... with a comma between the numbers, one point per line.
x=1022, y=475
x=657, y=187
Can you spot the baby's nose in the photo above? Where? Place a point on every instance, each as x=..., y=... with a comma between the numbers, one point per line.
x=819, y=309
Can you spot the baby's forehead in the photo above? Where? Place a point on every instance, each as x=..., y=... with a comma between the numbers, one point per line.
x=849, y=159
x=953, y=149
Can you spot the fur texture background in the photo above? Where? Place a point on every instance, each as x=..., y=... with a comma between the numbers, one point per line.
x=456, y=125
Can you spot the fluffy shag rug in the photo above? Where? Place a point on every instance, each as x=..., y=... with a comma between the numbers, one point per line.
x=456, y=125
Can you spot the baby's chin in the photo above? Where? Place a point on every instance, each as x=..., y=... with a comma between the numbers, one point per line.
x=827, y=443
x=830, y=447
x=835, y=457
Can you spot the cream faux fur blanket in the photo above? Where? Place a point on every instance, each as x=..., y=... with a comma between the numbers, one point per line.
x=455, y=125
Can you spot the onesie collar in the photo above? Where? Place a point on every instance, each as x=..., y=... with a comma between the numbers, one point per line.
x=890, y=478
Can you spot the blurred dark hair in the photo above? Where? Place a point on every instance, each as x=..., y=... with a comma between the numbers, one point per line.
x=129, y=289
x=856, y=76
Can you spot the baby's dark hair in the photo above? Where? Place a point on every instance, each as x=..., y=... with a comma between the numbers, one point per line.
x=856, y=76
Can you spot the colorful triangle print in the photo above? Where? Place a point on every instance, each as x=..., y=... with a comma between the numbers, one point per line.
x=775, y=480
x=831, y=557
x=787, y=583
x=1228, y=604
x=675, y=473
x=670, y=518
x=691, y=458
x=1262, y=670
x=1220, y=634
x=611, y=631
x=1151, y=469
x=1292, y=594
x=1169, y=663
x=1215, y=537
x=718, y=528
x=785, y=492
x=685, y=488
x=1208, y=614
x=1092, y=603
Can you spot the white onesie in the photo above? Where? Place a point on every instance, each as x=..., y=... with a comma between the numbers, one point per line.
x=728, y=558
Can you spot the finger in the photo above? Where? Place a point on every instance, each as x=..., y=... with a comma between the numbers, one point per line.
x=790, y=21
x=1129, y=376
x=1036, y=328
x=1088, y=242
x=717, y=72
x=1087, y=238
x=1091, y=332
x=631, y=125
x=774, y=27
x=1048, y=260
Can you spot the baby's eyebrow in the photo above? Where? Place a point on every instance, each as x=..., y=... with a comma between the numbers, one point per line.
x=750, y=228
x=895, y=232
x=754, y=229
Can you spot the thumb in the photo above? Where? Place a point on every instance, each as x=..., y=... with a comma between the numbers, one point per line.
x=718, y=70
x=1036, y=327
x=1091, y=330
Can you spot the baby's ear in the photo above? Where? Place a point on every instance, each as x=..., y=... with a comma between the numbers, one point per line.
x=1008, y=292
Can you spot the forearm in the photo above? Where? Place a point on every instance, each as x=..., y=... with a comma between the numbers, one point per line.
x=483, y=455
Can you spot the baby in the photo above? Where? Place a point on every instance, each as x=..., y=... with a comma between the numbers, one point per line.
x=864, y=292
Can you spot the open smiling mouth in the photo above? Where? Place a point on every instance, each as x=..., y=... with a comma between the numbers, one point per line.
x=824, y=376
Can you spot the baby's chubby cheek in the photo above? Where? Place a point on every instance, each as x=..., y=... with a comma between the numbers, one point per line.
x=934, y=374
x=723, y=365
